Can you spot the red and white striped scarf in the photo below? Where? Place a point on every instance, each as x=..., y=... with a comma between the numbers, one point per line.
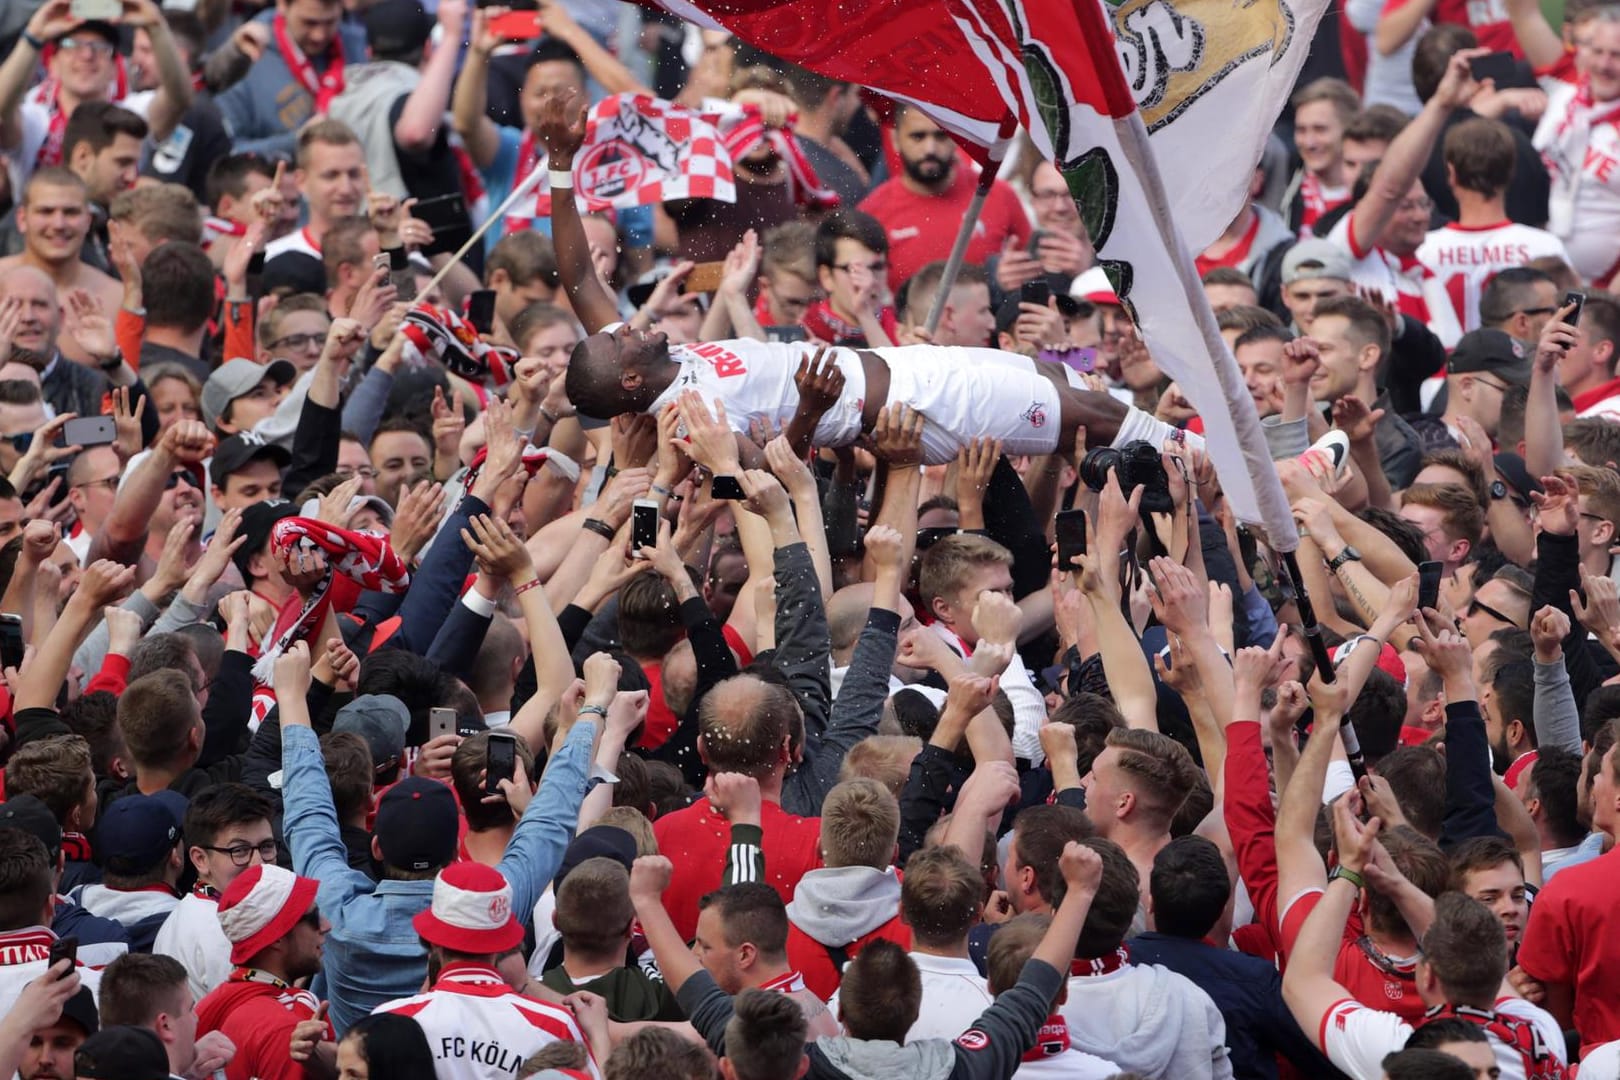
x=744, y=135
x=355, y=561
x=49, y=94
x=530, y=156
x=439, y=334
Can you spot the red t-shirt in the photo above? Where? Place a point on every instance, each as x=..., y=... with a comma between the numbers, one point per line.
x=812, y=960
x=259, y=1018
x=1488, y=19
x=922, y=228
x=695, y=840
x=1392, y=991
x=1573, y=938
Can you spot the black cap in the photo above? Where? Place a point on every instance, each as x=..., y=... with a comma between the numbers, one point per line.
x=93, y=26
x=33, y=817
x=293, y=272
x=599, y=841
x=1490, y=352
x=139, y=831
x=396, y=28
x=238, y=450
x=257, y=521
x=1516, y=475
x=417, y=825
x=124, y=1052
x=81, y=1009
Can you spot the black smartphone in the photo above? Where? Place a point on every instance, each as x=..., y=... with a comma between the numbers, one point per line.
x=1497, y=66
x=1036, y=292
x=63, y=948
x=728, y=487
x=1035, y=239
x=441, y=721
x=11, y=641
x=643, y=525
x=88, y=431
x=500, y=761
x=1429, y=585
x=786, y=333
x=1071, y=538
x=481, y=310
x=442, y=212
x=1579, y=300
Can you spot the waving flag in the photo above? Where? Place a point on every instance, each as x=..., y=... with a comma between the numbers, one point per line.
x=1107, y=93
x=640, y=150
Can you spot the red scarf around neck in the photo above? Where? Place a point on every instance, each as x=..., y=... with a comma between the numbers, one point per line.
x=323, y=88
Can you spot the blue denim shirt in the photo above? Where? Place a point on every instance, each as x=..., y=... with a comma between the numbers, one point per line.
x=373, y=953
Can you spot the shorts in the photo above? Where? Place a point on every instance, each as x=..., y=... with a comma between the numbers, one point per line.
x=966, y=394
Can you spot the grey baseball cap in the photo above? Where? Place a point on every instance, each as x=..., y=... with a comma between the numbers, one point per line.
x=381, y=720
x=236, y=377
x=1315, y=258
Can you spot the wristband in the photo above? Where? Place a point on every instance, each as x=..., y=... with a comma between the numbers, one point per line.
x=600, y=528
x=562, y=178
x=593, y=710
x=660, y=489
x=532, y=583
x=398, y=258
x=39, y=46
x=1349, y=875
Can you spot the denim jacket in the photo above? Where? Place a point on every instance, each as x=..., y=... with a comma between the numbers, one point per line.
x=373, y=953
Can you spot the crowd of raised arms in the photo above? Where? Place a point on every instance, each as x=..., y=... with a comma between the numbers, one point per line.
x=644, y=645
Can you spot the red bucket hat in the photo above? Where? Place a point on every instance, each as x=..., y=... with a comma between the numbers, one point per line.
x=471, y=911
x=262, y=906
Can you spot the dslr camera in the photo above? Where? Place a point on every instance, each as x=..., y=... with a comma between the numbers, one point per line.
x=1138, y=465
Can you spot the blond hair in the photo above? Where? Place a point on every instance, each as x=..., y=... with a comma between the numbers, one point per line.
x=860, y=825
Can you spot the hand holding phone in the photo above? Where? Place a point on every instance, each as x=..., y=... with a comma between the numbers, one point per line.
x=441, y=721
x=1429, y=586
x=1579, y=300
x=643, y=526
x=481, y=310
x=63, y=948
x=1071, y=539
x=500, y=761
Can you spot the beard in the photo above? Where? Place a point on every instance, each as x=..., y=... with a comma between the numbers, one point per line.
x=929, y=171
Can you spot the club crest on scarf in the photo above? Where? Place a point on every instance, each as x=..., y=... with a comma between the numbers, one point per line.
x=640, y=150
x=439, y=334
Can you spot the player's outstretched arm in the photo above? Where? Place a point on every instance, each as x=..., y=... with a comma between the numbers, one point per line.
x=562, y=129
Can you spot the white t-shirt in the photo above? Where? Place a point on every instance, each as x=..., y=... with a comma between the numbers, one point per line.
x=480, y=1029
x=1356, y=1038
x=298, y=240
x=1465, y=259
x=1370, y=268
x=954, y=996
x=1414, y=289
x=192, y=935
x=1580, y=144
x=34, y=117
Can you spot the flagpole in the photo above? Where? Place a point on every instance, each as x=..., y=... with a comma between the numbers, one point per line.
x=953, y=264
x=528, y=185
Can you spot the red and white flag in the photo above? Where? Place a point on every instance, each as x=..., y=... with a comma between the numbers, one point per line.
x=641, y=150
x=1108, y=92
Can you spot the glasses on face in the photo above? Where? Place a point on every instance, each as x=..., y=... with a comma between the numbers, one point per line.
x=877, y=266
x=1415, y=206
x=1536, y=311
x=312, y=918
x=178, y=477
x=365, y=471
x=242, y=854
x=1475, y=606
x=21, y=443
x=299, y=342
x=109, y=482
x=95, y=46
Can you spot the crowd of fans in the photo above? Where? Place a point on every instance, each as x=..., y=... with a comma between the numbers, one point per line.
x=646, y=647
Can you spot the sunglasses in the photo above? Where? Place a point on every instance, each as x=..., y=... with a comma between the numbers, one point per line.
x=178, y=477
x=1475, y=606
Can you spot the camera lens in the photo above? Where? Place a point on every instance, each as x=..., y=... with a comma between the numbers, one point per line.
x=1096, y=465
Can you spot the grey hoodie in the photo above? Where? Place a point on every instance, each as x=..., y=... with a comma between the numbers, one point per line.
x=835, y=906
x=1149, y=1020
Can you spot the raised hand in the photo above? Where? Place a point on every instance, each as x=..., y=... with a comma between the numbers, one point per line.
x=897, y=436
x=734, y=796
x=562, y=122
x=649, y=877
x=500, y=552
x=1558, y=505
x=820, y=382
x=1180, y=601
x=292, y=671
x=765, y=494
x=1548, y=629
x=791, y=469
x=1356, y=418
x=1557, y=338
x=710, y=440
x=417, y=519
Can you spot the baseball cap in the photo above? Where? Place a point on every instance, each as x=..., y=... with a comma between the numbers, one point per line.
x=395, y=28
x=92, y=26
x=293, y=272
x=29, y=814
x=471, y=911
x=257, y=521
x=139, y=831
x=122, y=1052
x=1490, y=352
x=1315, y=258
x=417, y=825
x=599, y=841
x=81, y=1009
x=381, y=720
x=1516, y=475
x=236, y=377
x=1094, y=287
x=238, y=450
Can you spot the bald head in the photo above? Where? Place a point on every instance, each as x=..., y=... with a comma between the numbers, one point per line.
x=35, y=341
x=679, y=671
x=846, y=614
x=750, y=726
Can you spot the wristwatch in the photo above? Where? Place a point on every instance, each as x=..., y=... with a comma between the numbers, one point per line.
x=1349, y=554
x=1498, y=490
